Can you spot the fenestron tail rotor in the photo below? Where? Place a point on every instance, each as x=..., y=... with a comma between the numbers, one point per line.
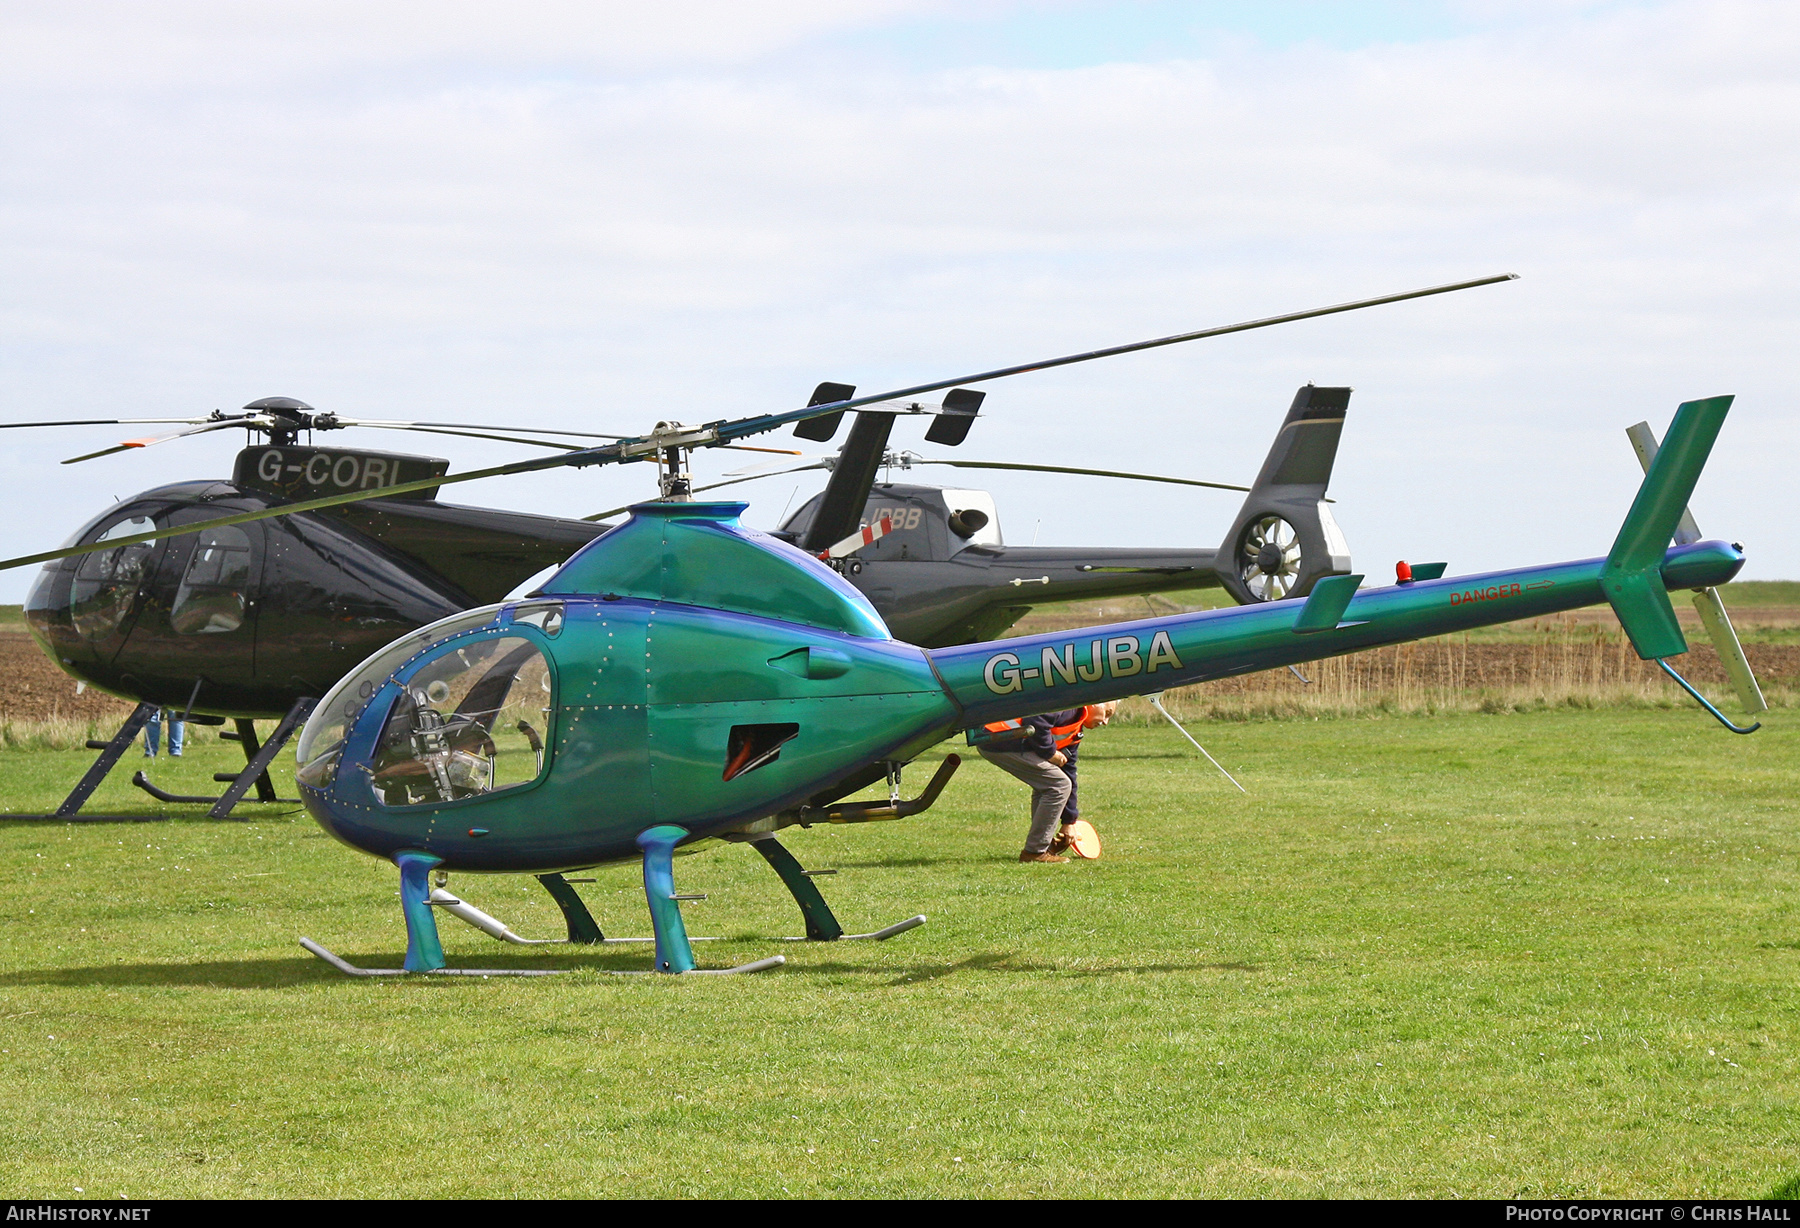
x=670, y=442
x=1707, y=602
x=1268, y=559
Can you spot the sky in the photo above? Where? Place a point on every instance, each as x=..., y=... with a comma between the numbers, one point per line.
x=597, y=216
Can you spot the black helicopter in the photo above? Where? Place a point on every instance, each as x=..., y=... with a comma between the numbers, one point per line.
x=249, y=621
x=253, y=619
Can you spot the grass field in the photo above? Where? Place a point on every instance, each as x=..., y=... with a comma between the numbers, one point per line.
x=1548, y=953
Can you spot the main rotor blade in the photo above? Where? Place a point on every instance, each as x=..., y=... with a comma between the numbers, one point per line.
x=470, y=434
x=750, y=426
x=714, y=434
x=151, y=441
x=7, y=426
x=765, y=469
x=477, y=426
x=389, y=424
x=515, y=435
x=1092, y=473
x=307, y=505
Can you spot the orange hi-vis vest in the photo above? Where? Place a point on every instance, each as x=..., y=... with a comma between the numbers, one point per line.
x=1067, y=735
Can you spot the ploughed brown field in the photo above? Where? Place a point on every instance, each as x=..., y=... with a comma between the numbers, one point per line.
x=1581, y=650
x=36, y=690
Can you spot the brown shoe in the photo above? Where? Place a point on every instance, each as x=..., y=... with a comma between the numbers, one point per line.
x=1046, y=857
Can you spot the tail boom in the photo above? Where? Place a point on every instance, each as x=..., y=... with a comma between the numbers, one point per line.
x=1002, y=679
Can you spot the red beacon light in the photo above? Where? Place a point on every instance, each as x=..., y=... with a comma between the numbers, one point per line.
x=1403, y=572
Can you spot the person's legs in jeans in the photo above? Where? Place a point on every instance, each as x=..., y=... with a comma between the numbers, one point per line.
x=1049, y=793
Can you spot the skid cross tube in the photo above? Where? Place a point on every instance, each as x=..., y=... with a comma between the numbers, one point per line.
x=674, y=954
x=256, y=771
x=821, y=924
x=109, y=755
x=246, y=737
x=583, y=930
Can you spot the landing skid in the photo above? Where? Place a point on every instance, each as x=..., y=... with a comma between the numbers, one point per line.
x=821, y=925
x=349, y=969
x=255, y=773
x=420, y=900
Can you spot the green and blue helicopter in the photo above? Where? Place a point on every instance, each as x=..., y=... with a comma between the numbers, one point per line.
x=686, y=678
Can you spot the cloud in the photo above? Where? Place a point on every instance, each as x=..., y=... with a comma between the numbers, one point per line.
x=598, y=217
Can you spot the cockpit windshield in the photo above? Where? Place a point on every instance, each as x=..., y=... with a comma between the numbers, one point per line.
x=331, y=720
x=106, y=583
x=472, y=721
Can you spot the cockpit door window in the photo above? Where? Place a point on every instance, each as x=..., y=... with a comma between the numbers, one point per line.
x=213, y=596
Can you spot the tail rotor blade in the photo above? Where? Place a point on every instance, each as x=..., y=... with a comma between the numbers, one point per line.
x=1731, y=651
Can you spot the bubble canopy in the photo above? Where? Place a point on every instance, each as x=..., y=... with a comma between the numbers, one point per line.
x=468, y=712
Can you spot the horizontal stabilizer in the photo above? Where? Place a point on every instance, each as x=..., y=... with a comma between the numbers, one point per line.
x=1325, y=607
x=952, y=424
x=1642, y=604
x=825, y=425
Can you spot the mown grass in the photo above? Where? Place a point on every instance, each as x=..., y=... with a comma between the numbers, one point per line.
x=1543, y=954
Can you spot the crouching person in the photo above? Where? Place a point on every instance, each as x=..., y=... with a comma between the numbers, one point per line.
x=1026, y=748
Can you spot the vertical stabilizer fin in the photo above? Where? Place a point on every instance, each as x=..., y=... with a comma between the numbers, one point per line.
x=1632, y=576
x=852, y=477
x=1661, y=500
x=1284, y=537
